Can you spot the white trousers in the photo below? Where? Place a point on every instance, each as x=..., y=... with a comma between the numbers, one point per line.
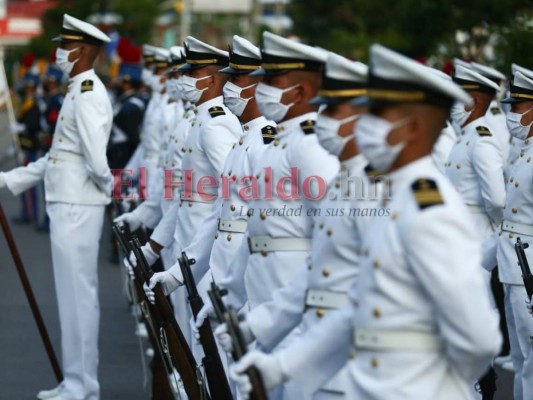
x=520, y=326
x=75, y=232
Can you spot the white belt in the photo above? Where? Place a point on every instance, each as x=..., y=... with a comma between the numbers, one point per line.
x=476, y=209
x=196, y=198
x=268, y=244
x=515, y=227
x=66, y=156
x=325, y=299
x=230, y=225
x=376, y=340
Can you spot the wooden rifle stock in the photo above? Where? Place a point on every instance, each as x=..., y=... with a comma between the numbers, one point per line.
x=229, y=316
x=524, y=266
x=178, y=347
x=214, y=369
x=162, y=388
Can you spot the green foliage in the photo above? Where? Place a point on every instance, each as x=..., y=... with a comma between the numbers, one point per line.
x=418, y=28
x=139, y=17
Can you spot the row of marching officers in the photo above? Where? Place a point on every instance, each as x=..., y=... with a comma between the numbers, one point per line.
x=351, y=223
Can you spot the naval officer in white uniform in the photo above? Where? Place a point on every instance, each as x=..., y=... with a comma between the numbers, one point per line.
x=418, y=319
x=78, y=185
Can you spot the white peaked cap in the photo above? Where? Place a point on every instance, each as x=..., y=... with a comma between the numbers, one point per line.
x=76, y=30
x=245, y=48
x=394, y=77
x=487, y=71
x=469, y=79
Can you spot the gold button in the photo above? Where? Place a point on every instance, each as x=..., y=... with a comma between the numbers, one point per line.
x=263, y=215
x=458, y=166
x=514, y=210
x=511, y=179
x=229, y=237
x=60, y=139
x=326, y=272
x=499, y=234
x=234, y=144
x=522, y=154
x=351, y=355
x=284, y=145
x=377, y=312
x=526, y=141
x=184, y=149
x=264, y=253
x=276, y=142
x=190, y=204
x=329, y=232
x=394, y=216
x=467, y=143
x=320, y=312
x=257, y=176
x=355, y=302
x=247, y=148
x=337, y=184
x=309, y=266
x=216, y=235
x=55, y=161
x=375, y=362
x=241, y=141
x=376, y=263
x=173, y=164
x=321, y=226
x=528, y=159
x=229, y=173
x=516, y=184
x=232, y=207
x=250, y=212
x=190, y=149
x=62, y=118
x=511, y=235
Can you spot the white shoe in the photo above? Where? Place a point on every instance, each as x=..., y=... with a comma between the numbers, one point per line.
x=49, y=394
x=508, y=366
x=499, y=361
x=141, y=331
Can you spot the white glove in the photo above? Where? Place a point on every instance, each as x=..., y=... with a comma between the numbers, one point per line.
x=224, y=339
x=129, y=267
x=150, y=256
x=268, y=365
x=206, y=312
x=529, y=305
x=131, y=219
x=2, y=180
x=17, y=128
x=167, y=281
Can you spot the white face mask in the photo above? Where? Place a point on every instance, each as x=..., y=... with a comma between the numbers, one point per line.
x=516, y=129
x=233, y=99
x=371, y=134
x=62, y=60
x=269, y=101
x=146, y=76
x=459, y=116
x=171, y=89
x=327, y=132
x=156, y=85
x=189, y=89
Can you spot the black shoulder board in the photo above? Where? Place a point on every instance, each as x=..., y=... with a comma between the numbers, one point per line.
x=308, y=126
x=87, y=86
x=426, y=193
x=269, y=133
x=483, y=131
x=371, y=172
x=495, y=110
x=216, y=111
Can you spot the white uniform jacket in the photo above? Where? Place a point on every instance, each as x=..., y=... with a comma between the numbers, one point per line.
x=75, y=170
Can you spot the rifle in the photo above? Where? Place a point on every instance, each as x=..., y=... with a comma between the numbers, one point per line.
x=214, y=369
x=229, y=316
x=162, y=387
x=181, y=355
x=524, y=266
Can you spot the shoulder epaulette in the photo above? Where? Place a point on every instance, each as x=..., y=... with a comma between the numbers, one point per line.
x=495, y=110
x=426, y=193
x=308, y=126
x=269, y=133
x=216, y=111
x=483, y=131
x=371, y=172
x=87, y=86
